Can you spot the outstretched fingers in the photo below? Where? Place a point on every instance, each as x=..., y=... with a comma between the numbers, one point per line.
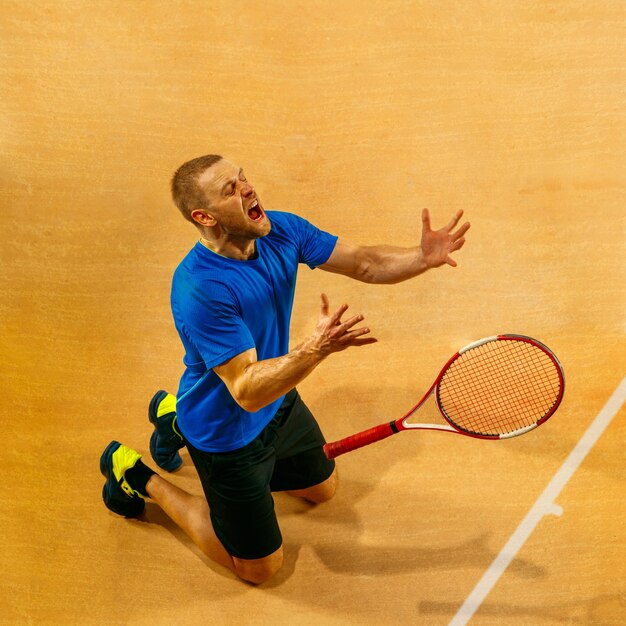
x=455, y=220
x=349, y=336
x=325, y=305
x=335, y=318
x=460, y=232
x=333, y=334
x=345, y=326
x=457, y=245
x=425, y=220
x=355, y=337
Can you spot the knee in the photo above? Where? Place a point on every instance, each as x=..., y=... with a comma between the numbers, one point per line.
x=258, y=571
x=324, y=491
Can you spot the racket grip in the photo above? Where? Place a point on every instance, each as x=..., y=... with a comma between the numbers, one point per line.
x=359, y=440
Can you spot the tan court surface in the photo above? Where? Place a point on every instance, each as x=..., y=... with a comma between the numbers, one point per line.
x=355, y=115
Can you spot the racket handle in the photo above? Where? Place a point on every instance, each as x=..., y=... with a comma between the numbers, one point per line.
x=359, y=440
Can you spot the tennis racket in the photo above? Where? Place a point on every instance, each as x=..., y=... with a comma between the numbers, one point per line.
x=495, y=388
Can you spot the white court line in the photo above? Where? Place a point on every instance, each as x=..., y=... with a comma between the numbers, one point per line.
x=543, y=506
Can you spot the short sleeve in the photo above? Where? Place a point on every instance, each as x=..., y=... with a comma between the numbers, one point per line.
x=214, y=324
x=314, y=245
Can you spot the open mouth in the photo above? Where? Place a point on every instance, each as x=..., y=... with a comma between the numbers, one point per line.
x=255, y=212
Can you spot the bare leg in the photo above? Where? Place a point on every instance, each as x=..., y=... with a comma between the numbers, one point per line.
x=321, y=492
x=191, y=513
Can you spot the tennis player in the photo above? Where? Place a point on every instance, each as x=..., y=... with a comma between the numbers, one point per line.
x=237, y=410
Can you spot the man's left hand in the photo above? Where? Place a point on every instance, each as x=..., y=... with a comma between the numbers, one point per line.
x=437, y=245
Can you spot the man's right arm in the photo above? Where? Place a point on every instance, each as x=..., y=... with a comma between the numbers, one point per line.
x=255, y=384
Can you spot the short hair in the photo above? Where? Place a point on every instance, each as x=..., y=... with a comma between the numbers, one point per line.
x=186, y=192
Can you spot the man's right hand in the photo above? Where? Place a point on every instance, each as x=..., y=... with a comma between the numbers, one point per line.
x=254, y=384
x=333, y=335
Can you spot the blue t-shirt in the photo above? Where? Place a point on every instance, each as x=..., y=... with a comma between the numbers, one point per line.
x=223, y=307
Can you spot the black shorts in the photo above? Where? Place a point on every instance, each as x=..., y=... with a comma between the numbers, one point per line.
x=286, y=455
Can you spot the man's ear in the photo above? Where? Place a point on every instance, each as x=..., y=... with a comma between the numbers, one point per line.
x=203, y=218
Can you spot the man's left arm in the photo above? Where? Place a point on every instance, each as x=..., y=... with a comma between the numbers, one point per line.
x=389, y=264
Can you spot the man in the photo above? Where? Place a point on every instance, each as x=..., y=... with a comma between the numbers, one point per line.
x=247, y=431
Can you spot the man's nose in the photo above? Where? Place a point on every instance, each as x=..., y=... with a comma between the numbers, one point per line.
x=247, y=189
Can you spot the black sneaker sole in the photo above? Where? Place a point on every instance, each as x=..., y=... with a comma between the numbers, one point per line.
x=176, y=462
x=122, y=503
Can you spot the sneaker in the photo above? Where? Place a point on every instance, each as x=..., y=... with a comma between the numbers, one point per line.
x=117, y=494
x=166, y=440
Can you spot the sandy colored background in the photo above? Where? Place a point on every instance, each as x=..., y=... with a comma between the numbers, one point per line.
x=354, y=115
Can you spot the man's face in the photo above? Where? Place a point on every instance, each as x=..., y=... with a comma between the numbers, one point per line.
x=233, y=201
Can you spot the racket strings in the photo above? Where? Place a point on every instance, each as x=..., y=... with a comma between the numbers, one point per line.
x=508, y=402
x=499, y=387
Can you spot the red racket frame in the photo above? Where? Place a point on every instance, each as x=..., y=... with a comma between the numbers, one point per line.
x=382, y=431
